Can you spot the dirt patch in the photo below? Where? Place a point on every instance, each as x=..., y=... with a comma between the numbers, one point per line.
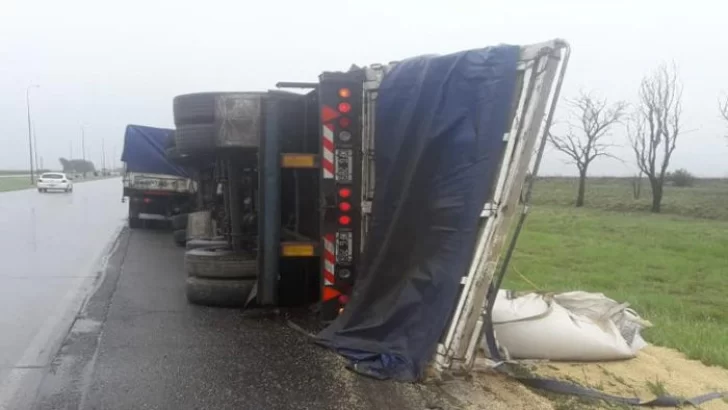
x=492, y=391
x=655, y=371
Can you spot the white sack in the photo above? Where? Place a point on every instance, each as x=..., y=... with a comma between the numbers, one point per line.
x=587, y=327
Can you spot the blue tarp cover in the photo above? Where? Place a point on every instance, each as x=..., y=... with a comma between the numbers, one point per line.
x=440, y=122
x=144, y=151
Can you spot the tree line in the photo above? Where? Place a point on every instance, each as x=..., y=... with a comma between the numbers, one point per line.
x=77, y=166
x=653, y=125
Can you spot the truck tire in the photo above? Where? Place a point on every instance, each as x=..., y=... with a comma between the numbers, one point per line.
x=218, y=292
x=179, y=221
x=206, y=243
x=180, y=237
x=198, y=108
x=195, y=139
x=220, y=263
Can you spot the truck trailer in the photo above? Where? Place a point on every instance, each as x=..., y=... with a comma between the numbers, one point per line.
x=155, y=187
x=294, y=174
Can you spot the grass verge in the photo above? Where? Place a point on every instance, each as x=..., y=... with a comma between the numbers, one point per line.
x=14, y=183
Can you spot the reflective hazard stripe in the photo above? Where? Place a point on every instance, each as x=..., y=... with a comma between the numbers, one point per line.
x=329, y=260
x=327, y=163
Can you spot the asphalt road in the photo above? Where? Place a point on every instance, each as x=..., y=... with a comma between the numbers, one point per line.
x=51, y=248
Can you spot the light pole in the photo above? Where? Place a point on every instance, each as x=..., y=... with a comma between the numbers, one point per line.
x=30, y=131
x=83, y=142
x=103, y=157
x=35, y=150
x=83, y=148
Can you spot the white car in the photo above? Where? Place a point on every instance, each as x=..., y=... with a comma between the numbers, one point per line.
x=54, y=181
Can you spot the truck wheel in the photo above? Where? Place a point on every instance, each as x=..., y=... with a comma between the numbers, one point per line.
x=218, y=292
x=195, y=139
x=179, y=221
x=180, y=237
x=206, y=243
x=195, y=108
x=220, y=263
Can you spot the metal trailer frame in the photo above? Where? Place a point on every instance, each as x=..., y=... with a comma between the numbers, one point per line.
x=541, y=72
x=542, y=68
x=274, y=242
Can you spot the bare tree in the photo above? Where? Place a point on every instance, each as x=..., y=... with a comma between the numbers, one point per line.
x=591, y=119
x=656, y=126
x=723, y=108
x=636, y=182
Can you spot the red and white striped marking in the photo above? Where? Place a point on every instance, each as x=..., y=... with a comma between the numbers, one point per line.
x=329, y=259
x=327, y=163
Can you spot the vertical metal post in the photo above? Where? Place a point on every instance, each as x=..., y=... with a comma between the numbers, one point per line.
x=83, y=143
x=234, y=178
x=35, y=149
x=103, y=157
x=269, y=206
x=30, y=132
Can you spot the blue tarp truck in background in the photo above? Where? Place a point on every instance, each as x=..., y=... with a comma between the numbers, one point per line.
x=153, y=184
x=440, y=122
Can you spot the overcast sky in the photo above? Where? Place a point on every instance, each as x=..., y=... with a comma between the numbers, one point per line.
x=107, y=64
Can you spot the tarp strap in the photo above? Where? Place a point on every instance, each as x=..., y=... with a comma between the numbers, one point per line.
x=562, y=387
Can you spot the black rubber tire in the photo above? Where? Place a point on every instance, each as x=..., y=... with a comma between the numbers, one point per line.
x=195, y=139
x=206, y=243
x=217, y=292
x=220, y=263
x=180, y=237
x=40, y=190
x=198, y=108
x=179, y=221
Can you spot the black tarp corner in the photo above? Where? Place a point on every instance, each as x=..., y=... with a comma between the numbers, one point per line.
x=439, y=140
x=144, y=151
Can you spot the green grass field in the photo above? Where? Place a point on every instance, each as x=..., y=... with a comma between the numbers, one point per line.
x=14, y=183
x=707, y=199
x=672, y=269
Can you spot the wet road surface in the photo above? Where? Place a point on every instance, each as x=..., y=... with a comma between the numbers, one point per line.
x=138, y=344
x=50, y=250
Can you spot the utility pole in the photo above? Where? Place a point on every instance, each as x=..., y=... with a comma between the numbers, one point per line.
x=35, y=150
x=83, y=149
x=103, y=157
x=83, y=144
x=30, y=132
x=70, y=145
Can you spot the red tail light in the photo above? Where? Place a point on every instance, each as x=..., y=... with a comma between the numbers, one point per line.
x=344, y=206
x=147, y=200
x=343, y=299
x=344, y=122
x=344, y=107
x=344, y=220
x=344, y=192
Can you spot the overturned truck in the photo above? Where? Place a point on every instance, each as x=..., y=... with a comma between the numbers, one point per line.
x=400, y=179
